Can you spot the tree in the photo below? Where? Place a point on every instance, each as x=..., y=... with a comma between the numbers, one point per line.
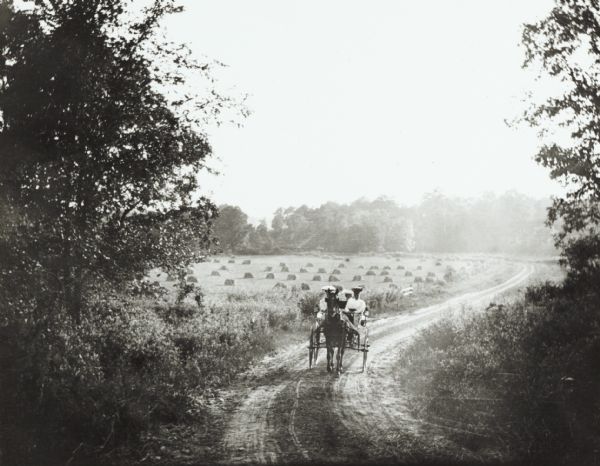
x=231, y=227
x=98, y=185
x=98, y=166
x=566, y=44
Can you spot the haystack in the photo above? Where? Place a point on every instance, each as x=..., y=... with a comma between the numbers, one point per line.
x=229, y=282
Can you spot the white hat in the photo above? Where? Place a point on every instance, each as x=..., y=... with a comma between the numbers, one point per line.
x=328, y=289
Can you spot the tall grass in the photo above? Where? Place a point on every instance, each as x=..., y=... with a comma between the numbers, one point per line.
x=522, y=377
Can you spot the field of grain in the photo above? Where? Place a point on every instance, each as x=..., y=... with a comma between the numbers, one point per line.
x=225, y=274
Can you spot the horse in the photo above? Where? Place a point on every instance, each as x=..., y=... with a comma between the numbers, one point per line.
x=335, y=330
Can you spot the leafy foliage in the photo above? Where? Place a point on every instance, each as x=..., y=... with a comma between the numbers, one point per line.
x=565, y=45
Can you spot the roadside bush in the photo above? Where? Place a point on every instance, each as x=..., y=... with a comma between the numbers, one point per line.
x=308, y=303
x=537, y=358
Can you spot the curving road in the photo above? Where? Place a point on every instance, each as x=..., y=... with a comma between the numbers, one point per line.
x=296, y=415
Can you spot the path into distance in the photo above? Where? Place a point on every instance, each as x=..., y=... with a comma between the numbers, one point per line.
x=293, y=414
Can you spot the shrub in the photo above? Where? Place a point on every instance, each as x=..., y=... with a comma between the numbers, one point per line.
x=408, y=273
x=248, y=275
x=304, y=287
x=317, y=278
x=387, y=280
x=450, y=274
x=192, y=279
x=270, y=276
x=308, y=303
x=370, y=272
x=247, y=262
x=229, y=282
x=171, y=278
x=356, y=278
x=336, y=272
x=333, y=278
x=291, y=276
x=214, y=273
x=322, y=270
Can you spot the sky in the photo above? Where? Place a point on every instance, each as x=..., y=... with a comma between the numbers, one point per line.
x=353, y=99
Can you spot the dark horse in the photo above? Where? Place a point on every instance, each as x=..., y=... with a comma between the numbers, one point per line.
x=335, y=331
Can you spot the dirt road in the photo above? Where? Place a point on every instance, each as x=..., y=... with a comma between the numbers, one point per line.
x=293, y=414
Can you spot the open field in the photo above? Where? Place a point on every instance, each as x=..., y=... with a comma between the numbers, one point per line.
x=375, y=272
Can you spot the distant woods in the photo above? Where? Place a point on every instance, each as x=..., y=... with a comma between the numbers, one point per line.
x=510, y=223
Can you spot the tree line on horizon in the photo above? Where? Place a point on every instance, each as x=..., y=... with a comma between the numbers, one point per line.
x=509, y=223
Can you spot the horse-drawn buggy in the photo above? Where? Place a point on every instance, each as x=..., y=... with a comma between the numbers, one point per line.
x=341, y=322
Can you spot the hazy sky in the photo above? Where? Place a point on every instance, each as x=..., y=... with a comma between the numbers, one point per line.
x=367, y=98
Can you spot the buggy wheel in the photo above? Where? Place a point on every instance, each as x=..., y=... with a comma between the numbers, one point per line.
x=311, y=349
x=365, y=351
